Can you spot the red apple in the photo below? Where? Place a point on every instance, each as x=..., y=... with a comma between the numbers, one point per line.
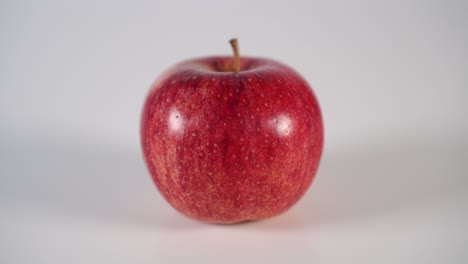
x=231, y=139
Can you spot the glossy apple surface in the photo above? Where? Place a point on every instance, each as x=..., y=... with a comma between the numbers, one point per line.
x=226, y=147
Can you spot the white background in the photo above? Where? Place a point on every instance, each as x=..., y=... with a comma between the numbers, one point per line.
x=391, y=77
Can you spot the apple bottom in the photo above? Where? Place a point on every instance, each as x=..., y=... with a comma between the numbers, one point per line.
x=250, y=201
x=215, y=183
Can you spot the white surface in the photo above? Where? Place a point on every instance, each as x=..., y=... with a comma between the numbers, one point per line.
x=391, y=79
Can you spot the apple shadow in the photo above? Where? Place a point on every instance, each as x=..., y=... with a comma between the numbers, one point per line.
x=85, y=182
x=353, y=185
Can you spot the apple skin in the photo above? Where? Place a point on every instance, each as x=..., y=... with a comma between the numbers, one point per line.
x=227, y=147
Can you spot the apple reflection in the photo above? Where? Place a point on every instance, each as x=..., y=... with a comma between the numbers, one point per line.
x=282, y=124
x=176, y=121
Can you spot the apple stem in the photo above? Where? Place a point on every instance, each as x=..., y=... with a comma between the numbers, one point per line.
x=235, y=48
